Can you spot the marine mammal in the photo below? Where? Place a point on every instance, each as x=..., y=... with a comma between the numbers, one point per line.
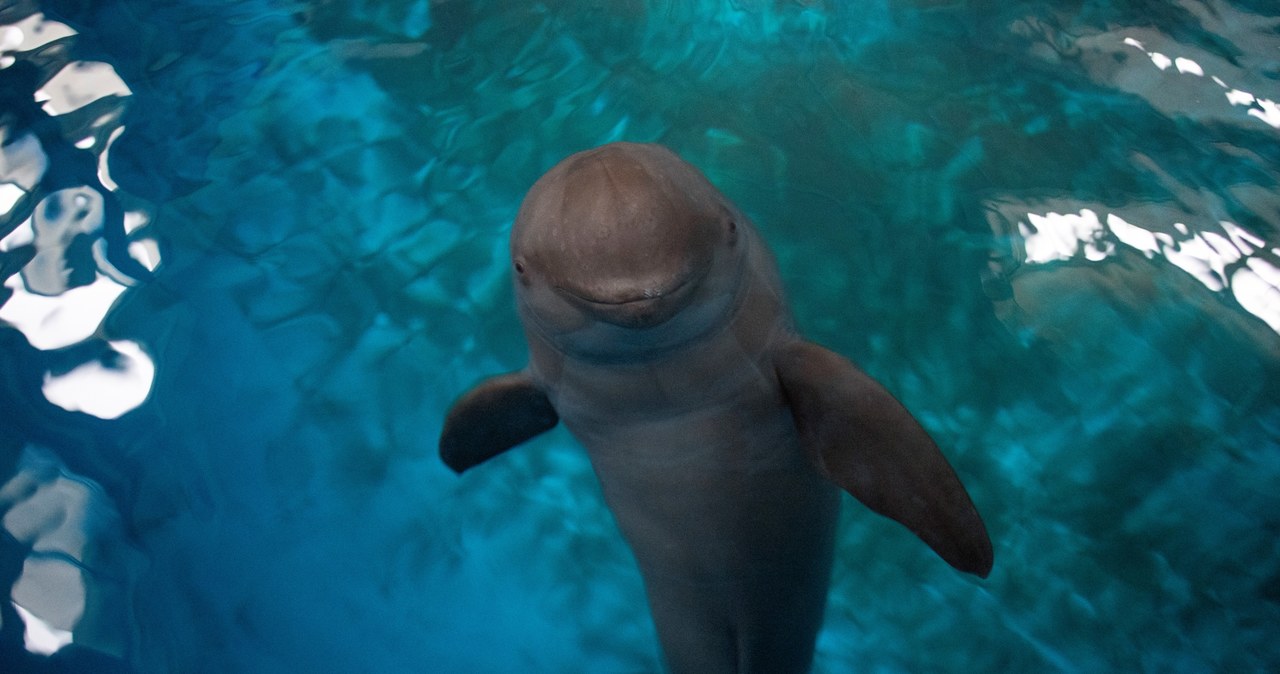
x=659, y=335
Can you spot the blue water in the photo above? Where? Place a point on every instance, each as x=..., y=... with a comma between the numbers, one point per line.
x=1051, y=229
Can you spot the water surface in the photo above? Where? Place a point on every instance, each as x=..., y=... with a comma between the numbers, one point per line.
x=253, y=249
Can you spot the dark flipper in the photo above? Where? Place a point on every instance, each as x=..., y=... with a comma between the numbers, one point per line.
x=496, y=415
x=866, y=442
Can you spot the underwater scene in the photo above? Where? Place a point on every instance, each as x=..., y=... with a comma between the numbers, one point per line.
x=252, y=251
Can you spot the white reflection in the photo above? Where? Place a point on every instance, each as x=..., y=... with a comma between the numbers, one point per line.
x=104, y=176
x=9, y=196
x=1186, y=65
x=50, y=303
x=1058, y=236
x=1235, y=96
x=1135, y=237
x=79, y=84
x=106, y=392
x=55, y=322
x=22, y=165
x=1212, y=258
x=1267, y=111
x=1257, y=288
x=59, y=516
x=134, y=220
x=1263, y=109
x=40, y=636
x=32, y=32
x=145, y=251
x=59, y=220
x=10, y=38
x=22, y=235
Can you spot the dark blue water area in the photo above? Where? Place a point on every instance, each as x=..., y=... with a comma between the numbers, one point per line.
x=1051, y=229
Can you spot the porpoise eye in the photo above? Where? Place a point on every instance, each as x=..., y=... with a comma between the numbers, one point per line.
x=733, y=232
x=519, y=267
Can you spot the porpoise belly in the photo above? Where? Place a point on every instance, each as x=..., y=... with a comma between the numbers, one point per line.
x=730, y=525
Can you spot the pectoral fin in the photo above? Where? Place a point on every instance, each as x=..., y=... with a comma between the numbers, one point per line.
x=866, y=442
x=496, y=415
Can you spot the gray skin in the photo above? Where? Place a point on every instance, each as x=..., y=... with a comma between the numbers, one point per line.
x=659, y=335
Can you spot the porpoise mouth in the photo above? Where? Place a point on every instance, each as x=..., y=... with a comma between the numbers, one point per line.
x=634, y=309
x=646, y=295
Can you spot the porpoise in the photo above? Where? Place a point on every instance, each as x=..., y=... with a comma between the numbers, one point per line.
x=659, y=335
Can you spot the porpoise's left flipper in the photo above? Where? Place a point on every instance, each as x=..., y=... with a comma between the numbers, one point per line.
x=866, y=442
x=496, y=415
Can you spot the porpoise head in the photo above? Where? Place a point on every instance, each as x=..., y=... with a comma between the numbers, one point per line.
x=625, y=249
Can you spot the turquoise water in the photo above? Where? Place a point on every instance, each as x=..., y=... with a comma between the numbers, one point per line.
x=1050, y=230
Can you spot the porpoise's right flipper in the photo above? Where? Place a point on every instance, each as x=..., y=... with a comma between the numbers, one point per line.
x=496, y=415
x=866, y=442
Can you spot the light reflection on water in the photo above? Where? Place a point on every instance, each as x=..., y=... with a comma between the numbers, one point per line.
x=1053, y=234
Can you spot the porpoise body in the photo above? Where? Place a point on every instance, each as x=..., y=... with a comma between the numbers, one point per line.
x=658, y=333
